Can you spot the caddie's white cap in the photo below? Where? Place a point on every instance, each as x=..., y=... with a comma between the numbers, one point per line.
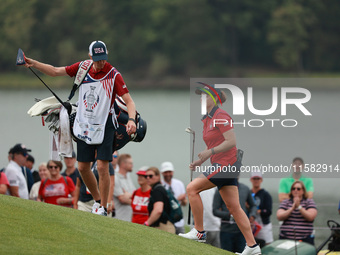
x=167, y=166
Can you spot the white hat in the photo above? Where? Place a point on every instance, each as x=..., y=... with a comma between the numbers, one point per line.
x=256, y=174
x=167, y=166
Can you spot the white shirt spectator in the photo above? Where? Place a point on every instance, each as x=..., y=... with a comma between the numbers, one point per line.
x=16, y=178
x=123, y=184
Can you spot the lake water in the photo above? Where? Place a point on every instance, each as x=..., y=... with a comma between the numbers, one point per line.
x=167, y=114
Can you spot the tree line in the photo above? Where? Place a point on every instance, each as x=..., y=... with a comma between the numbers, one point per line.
x=156, y=38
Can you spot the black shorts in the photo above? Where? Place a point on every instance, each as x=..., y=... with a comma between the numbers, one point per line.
x=223, y=175
x=86, y=152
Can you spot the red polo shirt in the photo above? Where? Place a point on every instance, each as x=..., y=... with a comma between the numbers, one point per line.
x=119, y=86
x=213, y=135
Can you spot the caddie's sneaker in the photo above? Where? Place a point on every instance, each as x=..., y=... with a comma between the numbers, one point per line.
x=251, y=251
x=101, y=211
x=195, y=235
x=95, y=207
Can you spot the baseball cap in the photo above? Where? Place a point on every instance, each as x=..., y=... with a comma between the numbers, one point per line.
x=98, y=51
x=142, y=170
x=255, y=174
x=73, y=155
x=208, y=89
x=19, y=148
x=167, y=166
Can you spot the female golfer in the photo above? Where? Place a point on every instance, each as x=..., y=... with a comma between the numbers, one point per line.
x=218, y=135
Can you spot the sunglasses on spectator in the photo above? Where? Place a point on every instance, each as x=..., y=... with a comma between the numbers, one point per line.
x=50, y=167
x=115, y=156
x=298, y=189
x=149, y=176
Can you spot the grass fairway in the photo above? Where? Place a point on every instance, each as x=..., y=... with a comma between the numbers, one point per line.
x=30, y=227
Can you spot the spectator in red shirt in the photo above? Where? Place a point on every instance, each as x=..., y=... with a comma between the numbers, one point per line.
x=4, y=184
x=58, y=189
x=140, y=198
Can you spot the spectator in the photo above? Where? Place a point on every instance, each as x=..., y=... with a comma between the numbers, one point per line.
x=71, y=170
x=28, y=177
x=297, y=213
x=56, y=189
x=231, y=237
x=13, y=171
x=140, y=198
x=43, y=174
x=159, y=204
x=263, y=202
x=339, y=207
x=286, y=183
x=211, y=223
x=176, y=187
x=29, y=164
x=123, y=188
x=83, y=199
x=4, y=184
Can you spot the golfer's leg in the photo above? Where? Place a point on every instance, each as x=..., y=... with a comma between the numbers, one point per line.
x=89, y=179
x=230, y=197
x=104, y=180
x=193, y=189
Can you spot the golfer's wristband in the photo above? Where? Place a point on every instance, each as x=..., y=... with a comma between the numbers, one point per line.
x=213, y=151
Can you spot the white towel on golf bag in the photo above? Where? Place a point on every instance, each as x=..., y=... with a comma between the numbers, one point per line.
x=65, y=139
x=54, y=155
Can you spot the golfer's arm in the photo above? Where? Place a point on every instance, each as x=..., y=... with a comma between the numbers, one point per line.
x=48, y=69
x=130, y=104
x=228, y=143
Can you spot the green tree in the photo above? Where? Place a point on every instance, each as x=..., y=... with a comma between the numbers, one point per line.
x=289, y=33
x=16, y=21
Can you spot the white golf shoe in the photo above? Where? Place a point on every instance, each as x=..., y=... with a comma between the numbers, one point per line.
x=95, y=207
x=193, y=234
x=251, y=251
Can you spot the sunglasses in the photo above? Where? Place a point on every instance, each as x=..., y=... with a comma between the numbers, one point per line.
x=55, y=167
x=115, y=156
x=298, y=189
x=148, y=176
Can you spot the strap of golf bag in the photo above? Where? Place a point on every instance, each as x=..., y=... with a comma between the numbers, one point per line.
x=83, y=69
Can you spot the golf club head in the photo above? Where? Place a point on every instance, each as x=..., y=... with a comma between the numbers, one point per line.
x=20, y=58
x=189, y=130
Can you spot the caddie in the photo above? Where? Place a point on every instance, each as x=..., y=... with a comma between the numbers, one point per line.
x=99, y=83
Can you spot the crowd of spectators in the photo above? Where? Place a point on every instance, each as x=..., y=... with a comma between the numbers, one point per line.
x=149, y=204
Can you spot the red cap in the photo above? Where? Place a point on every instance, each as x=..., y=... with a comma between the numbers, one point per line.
x=142, y=170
